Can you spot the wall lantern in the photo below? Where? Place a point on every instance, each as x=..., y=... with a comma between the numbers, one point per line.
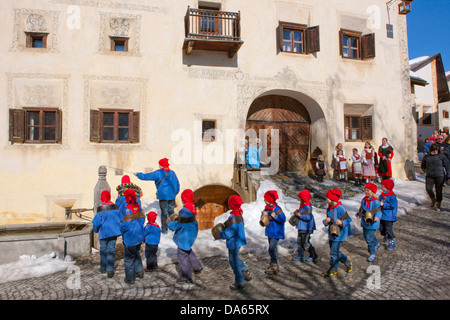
x=404, y=7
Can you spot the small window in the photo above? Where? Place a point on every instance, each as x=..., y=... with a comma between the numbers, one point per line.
x=427, y=115
x=208, y=128
x=36, y=40
x=114, y=126
x=445, y=114
x=35, y=125
x=119, y=44
x=298, y=38
x=354, y=45
x=358, y=127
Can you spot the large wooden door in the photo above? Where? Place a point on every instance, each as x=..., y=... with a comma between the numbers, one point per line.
x=292, y=120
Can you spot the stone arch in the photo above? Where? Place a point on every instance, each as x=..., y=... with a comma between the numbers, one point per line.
x=302, y=110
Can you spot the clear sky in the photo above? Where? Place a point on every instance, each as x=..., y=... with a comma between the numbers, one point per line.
x=429, y=29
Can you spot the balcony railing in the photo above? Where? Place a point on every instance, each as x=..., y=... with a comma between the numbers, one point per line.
x=212, y=30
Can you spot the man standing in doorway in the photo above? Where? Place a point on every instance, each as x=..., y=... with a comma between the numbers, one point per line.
x=167, y=188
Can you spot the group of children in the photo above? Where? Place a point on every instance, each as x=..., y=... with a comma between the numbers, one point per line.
x=125, y=218
x=112, y=221
x=364, y=167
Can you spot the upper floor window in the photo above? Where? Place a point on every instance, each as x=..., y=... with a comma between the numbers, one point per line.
x=208, y=128
x=355, y=45
x=35, y=125
x=36, y=40
x=119, y=44
x=114, y=126
x=298, y=38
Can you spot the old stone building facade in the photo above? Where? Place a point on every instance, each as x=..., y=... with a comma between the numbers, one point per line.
x=124, y=83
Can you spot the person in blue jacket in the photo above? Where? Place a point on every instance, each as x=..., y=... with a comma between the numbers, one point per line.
x=337, y=214
x=152, y=237
x=389, y=207
x=167, y=188
x=132, y=228
x=186, y=230
x=234, y=234
x=253, y=156
x=106, y=223
x=275, y=229
x=124, y=185
x=370, y=203
x=306, y=226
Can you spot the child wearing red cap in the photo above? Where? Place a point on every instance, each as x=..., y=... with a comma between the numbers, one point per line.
x=152, y=237
x=132, y=228
x=234, y=234
x=186, y=231
x=306, y=226
x=275, y=230
x=370, y=203
x=107, y=223
x=389, y=207
x=337, y=214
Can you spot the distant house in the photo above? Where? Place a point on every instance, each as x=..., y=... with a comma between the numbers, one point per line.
x=429, y=86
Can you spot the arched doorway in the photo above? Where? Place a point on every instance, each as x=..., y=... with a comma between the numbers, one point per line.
x=212, y=201
x=292, y=120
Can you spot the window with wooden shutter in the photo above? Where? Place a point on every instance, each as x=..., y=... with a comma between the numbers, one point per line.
x=292, y=37
x=114, y=126
x=368, y=46
x=358, y=128
x=366, y=128
x=95, y=126
x=355, y=45
x=35, y=125
x=312, y=40
x=16, y=125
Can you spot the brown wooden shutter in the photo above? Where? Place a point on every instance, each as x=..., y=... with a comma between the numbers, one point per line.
x=368, y=46
x=95, y=134
x=341, y=43
x=16, y=125
x=312, y=39
x=280, y=37
x=58, y=129
x=366, y=128
x=134, y=127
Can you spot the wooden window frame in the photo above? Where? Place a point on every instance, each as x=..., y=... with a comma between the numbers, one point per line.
x=365, y=44
x=213, y=137
x=97, y=126
x=41, y=126
x=115, y=40
x=31, y=36
x=310, y=41
x=115, y=125
x=365, y=128
x=445, y=114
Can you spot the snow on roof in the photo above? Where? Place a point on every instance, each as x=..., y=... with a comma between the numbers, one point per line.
x=418, y=60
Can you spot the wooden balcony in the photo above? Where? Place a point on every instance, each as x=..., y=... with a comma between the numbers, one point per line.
x=212, y=30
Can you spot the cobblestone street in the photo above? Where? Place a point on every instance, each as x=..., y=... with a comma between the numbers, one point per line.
x=416, y=270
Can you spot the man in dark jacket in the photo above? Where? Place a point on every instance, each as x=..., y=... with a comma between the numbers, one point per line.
x=433, y=164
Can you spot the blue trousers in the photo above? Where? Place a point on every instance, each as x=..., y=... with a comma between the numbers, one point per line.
x=273, y=250
x=336, y=255
x=150, y=255
x=132, y=261
x=167, y=208
x=237, y=265
x=107, y=253
x=372, y=242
